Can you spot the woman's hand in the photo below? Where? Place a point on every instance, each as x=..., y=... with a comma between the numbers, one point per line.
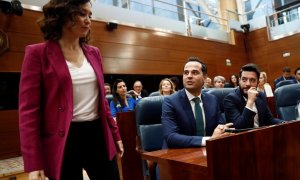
x=120, y=148
x=37, y=175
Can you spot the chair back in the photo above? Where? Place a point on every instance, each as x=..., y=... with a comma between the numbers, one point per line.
x=286, y=98
x=206, y=90
x=220, y=93
x=148, y=119
x=149, y=129
x=283, y=83
x=109, y=98
x=155, y=93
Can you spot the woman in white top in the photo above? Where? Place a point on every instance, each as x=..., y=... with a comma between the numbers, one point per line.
x=263, y=86
x=64, y=119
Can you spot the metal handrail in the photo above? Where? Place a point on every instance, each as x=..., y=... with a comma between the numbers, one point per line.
x=182, y=8
x=285, y=9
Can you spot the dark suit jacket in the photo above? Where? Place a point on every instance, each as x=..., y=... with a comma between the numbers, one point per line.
x=46, y=107
x=237, y=113
x=179, y=124
x=281, y=78
x=144, y=93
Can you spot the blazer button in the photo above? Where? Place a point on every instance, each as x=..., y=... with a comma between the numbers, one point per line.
x=61, y=108
x=61, y=133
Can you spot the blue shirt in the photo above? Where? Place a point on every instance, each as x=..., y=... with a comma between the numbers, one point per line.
x=117, y=108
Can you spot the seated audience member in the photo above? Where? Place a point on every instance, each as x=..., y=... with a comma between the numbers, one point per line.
x=246, y=107
x=107, y=88
x=297, y=75
x=189, y=118
x=219, y=82
x=285, y=76
x=233, y=81
x=120, y=102
x=207, y=83
x=166, y=87
x=175, y=81
x=264, y=86
x=138, y=92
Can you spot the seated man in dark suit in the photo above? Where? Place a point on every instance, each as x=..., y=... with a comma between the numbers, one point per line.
x=189, y=118
x=138, y=92
x=246, y=107
x=286, y=75
x=297, y=75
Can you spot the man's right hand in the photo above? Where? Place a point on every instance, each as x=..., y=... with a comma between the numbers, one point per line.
x=37, y=175
x=220, y=130
x=252, y=94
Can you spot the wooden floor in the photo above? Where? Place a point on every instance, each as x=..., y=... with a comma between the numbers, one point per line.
x=13, y=168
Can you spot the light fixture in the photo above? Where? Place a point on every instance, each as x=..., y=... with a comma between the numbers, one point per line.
x=286, y=54
x=228, y=62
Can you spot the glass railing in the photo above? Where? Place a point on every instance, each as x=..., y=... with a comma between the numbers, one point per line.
x=167, y=10
x=284, y=23
x=255, y=18
x=174, y=16
x=280, y=24
x=194, y=22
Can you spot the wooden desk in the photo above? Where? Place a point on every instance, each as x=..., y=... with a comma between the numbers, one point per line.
x=189, y=164
x=131, y=162
x=266, y=153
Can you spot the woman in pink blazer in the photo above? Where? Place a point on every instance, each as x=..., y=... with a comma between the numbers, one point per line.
x=65, y=121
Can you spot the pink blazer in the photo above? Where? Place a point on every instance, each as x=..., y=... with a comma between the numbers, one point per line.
x=46, y=107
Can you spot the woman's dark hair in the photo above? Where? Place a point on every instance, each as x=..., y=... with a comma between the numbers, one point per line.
x=116, y=96
x=175, y=81
x=231, y=84
x=56, y=14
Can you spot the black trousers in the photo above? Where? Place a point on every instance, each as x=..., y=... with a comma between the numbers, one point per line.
x=85, y=148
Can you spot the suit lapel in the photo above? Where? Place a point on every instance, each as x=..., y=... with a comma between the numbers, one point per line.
x=58, y=62
x=241, y=98
x=204, y=100
x=258, y=104
x=188, y=110
x=95, y=60
x=91, y=57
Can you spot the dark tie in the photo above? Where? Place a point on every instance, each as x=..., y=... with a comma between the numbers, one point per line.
x=199, y=117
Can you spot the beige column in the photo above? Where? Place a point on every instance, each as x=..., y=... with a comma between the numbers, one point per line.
x=228, y=5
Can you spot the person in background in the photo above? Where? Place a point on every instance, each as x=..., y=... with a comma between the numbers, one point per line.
x=246, y=107
x=107, y=88
x=175, y=81
x=297, y=75
x=121, y=102
x=264, y=86
x=219, y=82
x=207, y=83
x=285, y=76
x=189, y=118
x=234, y=81
x=138, y=92
x=166, y=87
x=64, y=120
